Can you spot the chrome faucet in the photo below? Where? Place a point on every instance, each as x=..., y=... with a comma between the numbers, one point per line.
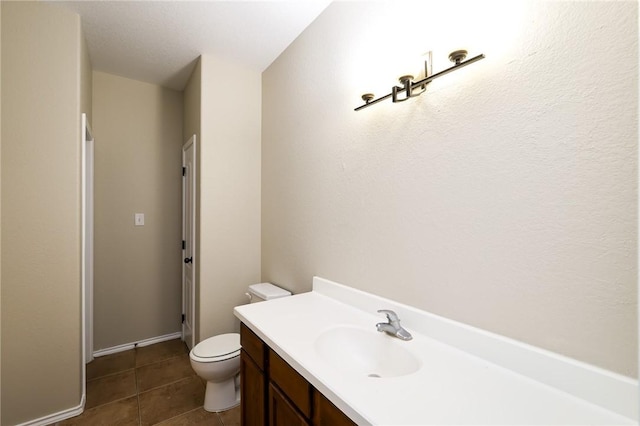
x=393, y=327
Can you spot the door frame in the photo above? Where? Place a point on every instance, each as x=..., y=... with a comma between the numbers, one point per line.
x=87, y=178
x=191, y=142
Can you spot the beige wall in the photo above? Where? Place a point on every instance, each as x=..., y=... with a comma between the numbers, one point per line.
x=229, y=228
x=138, y=131
x=86, y=80
x=41, y=310
x=0, y=201
x=505, y=197
x=192, y=98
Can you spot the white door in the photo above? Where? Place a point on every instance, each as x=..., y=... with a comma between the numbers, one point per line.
x=188, y=240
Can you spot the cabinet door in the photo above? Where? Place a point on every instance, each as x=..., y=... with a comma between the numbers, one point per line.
x=327, y=414
x=281, y=411
x=253, y=392
x=292, y=384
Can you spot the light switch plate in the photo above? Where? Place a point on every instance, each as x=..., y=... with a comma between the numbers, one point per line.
x=139, y=219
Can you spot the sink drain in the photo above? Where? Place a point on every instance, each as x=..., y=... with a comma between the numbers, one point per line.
x=374, y=375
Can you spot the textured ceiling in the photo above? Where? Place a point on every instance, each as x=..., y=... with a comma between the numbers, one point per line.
x=159, y=41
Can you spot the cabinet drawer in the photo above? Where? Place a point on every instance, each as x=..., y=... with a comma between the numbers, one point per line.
x=252, y=345
x=292, y=384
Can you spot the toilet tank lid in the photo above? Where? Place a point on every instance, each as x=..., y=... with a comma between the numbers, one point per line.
x=268, y=291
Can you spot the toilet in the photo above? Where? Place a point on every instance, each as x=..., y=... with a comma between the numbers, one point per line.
x=217, y=359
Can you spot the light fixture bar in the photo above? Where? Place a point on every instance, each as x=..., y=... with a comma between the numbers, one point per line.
x=423, y=81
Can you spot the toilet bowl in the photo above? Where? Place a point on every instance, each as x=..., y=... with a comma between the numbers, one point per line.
x=217, y=359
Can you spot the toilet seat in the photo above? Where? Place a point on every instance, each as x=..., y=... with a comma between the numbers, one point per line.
x=217, y=348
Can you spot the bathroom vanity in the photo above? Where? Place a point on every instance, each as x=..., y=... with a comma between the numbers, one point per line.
x=273, y=393
x=316, y=359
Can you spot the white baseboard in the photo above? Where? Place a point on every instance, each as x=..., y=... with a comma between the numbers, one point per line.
x=138, y=344
x=79, y=409
x=57, y=417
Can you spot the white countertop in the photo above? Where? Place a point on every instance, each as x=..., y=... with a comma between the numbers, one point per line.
x=451, y=387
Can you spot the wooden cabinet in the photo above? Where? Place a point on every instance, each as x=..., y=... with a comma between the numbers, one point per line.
x=282, y=412
x=275, y=394
x=253, y=381
x=327, y=414
x=292, y=384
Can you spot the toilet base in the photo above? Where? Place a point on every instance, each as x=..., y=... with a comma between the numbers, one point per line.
x=221, y=396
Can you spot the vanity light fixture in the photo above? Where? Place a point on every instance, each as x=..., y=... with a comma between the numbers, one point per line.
x=415, y=88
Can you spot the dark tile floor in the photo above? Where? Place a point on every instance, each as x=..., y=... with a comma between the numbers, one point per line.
x=152, y=385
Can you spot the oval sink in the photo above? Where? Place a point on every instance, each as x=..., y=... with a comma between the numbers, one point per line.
x=365, y=353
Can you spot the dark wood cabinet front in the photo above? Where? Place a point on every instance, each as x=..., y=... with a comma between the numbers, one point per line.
x=296, y=387
x=252, y=388
x=281, y=411
x=275, y=394
x=253, y=380
x=327, y=414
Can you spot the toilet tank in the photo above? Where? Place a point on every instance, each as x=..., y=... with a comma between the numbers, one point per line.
x=265, y=291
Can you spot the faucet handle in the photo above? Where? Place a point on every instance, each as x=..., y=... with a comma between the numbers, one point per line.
x=391, y=316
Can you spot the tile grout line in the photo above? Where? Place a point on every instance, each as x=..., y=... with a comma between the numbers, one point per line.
x=136, y=367
x=168, y=383
x=171, y=356
x=161, y=360
x=156, y=387
x=137, y=377
x=137, y=388
x=178, y=415
x=109, y=375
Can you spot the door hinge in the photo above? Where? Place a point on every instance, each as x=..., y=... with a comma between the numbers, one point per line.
x=183, y=318
x=184, y=245
x=184, y=171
